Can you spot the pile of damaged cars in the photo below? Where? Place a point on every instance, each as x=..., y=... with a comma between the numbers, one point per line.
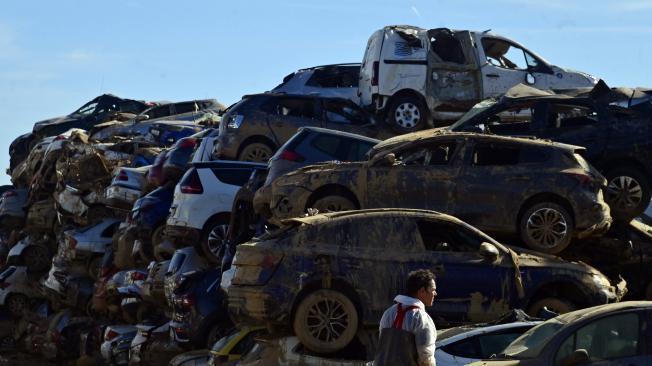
x=278, y=230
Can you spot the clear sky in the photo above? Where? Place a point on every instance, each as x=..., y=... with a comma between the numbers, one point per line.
x=57, y=55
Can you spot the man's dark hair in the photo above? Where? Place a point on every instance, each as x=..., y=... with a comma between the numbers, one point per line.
x=418, y=279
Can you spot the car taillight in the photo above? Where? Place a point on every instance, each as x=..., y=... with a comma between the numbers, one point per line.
x=187, y=143
x=192, y=184
x=137, y=276
x=374, y=74
x=290, y=155
x=110, y=335
x=122, y=176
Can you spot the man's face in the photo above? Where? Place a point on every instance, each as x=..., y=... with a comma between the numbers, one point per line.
x=427, y=294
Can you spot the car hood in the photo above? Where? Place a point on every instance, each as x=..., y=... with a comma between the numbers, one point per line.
x=529, y=258
x=52, y=121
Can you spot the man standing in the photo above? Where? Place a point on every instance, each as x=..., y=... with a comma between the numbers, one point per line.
x=407, y=333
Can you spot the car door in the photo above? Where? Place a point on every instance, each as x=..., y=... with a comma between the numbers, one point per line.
x=423, y=178
x=453, y=74
x=495, y=180
x=505, y=64
x=470, y=288
x=286, y=114
x=616, y=339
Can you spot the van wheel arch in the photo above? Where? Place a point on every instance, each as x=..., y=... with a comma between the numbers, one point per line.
x=256, y=139
x=403, y=96
x=332, y=190
x=567, y=292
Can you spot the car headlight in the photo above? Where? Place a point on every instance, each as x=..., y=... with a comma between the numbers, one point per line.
x=235, y=121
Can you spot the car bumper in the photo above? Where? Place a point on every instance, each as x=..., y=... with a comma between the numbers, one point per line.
x=182, y=235
x=254, y=305
x=261, y=202
x=121, y=196
x=285, y=205
x=597, y=221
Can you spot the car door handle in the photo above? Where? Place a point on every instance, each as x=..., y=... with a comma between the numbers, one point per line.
x=493, y=75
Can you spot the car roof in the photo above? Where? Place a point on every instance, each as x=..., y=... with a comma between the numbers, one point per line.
x=298, y=96
x=346, y=65
x=370, y=213
x=600, y=310
x=328, y=131
x=442, y=133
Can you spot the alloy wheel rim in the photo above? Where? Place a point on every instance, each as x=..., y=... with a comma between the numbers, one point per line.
x=547, y=227
x=215, y=246
x=624, y=192
x=327, y=320
x=257, y=155
x=407, y=115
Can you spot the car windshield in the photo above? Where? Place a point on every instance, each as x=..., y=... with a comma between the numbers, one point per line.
x=475, y=110
x=530, y=343
x=87, y=109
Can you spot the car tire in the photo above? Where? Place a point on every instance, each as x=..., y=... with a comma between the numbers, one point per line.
x=546, y=227
x=256, y=152
x=212, y=249
x=627, y=193
x=325, y=321
x=333, y=203
x=36, y=258
x=407, y=114
x=556, y=305
x=16, y=304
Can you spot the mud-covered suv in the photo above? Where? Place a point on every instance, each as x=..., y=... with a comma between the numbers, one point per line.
x=542, y=190
x=328, y=275
x=612, y=124
x=256, y=126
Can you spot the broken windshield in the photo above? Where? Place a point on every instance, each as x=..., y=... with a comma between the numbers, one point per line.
x=475, y=110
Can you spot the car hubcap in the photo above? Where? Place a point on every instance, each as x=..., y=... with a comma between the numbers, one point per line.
x=257, y=154
x=624, y=193
x=407, y=115
x=216, y=239
x=547, y=227
x=327, y=320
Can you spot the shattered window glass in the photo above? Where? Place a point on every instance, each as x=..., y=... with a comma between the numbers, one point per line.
x=495, y=155
x=571, y=116
x=432, y=154
x=88, y=109
x=303, y=108
x=343, y=113
x=446, y=46
x=334, y=77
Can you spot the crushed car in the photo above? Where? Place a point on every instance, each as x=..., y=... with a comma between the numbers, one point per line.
x=356, y=260
x=541, y=192
x=337, y=80
x=418, y=77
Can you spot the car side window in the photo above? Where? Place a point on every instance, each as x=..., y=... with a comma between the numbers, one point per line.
x=327, y=144
x=443, y=237
x=571, y=116
x=343, y=113
x=234, y=177
x=608, y=338
x=357, y=150
x=495, y=343
x=185, y=107
x=334, y=77
x=466, y=348
x=291, y=107
x=492, y=154
x=514, y=120
x=432, y=154
x=88, y=109
x=503, y=54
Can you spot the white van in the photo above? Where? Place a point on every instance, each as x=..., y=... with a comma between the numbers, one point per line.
x=422, y=77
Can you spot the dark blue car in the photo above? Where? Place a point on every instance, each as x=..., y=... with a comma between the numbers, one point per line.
x=199, y=315
x=148, y=217
x=327, y=275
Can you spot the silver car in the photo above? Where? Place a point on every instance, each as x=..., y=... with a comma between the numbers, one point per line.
x=16, y=289
x=127, y=186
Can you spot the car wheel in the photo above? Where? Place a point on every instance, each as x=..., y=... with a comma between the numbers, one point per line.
x=333, y=203
x=36, y=258
x=256, y=152
x=325, y=321
x=211, y=243
x=16, y=304
x=627, y=193
x=93, y=268
x=546, y=227
x=407, y=114
x=556, y=305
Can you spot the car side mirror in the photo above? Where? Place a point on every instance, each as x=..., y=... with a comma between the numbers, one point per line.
x=579, y=356
x=530, y=79
x=142, y=117
x=489, y=252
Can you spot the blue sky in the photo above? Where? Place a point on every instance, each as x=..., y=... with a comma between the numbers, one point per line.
x=56, y=55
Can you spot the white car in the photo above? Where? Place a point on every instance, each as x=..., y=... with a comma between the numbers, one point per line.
x=339, y=80
x=16, y=289
x=203, y=200
x=461, y=345
x=127, y=186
